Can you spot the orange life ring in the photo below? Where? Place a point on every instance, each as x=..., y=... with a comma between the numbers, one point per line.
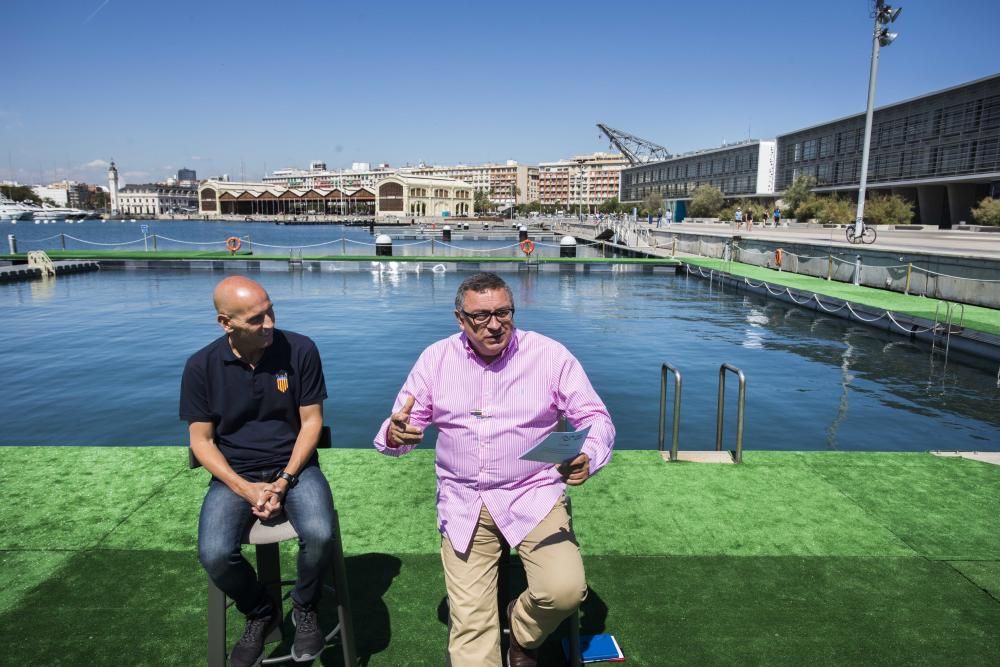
x=528, y=246
x=233, y=244
x=778, y=253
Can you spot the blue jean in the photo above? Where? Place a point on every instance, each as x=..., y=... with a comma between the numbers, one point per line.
x=225, y=517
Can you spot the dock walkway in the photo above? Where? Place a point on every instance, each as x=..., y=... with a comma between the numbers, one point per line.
x=13, y=272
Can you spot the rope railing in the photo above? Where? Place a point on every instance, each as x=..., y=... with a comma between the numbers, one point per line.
x=103, y=244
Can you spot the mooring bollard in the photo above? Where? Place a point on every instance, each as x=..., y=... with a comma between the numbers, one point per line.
x=371, y=227
x=383, y=246
x=446, y=233
x=567, y=246
x=522, y=233
x=12, y=244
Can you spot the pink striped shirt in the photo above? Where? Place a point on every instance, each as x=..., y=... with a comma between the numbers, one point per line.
x=487, y=415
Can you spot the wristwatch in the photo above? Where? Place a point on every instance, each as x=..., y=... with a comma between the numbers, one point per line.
x=288, y=477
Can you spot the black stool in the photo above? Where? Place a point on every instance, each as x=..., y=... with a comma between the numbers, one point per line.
x=266, y=536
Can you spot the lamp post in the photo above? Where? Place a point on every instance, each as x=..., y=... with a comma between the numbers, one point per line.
x=884, y=15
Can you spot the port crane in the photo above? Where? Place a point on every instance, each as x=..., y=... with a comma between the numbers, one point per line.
x=635, y=149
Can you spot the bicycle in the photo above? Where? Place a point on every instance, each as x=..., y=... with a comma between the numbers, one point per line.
x=867, y=236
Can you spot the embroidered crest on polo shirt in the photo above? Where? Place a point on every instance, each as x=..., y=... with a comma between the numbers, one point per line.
x=281, y=381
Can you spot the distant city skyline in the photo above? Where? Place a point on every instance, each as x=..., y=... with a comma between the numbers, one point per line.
x=242, y=88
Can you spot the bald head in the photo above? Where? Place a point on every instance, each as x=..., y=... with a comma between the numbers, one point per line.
x=246, y=314
x=233, y=295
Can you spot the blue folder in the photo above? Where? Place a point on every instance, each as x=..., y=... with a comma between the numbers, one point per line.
x=597, y=648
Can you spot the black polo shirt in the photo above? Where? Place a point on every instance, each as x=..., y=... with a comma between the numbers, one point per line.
x=255, y=411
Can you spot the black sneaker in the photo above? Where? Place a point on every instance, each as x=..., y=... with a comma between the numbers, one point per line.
x=309, y=640
x=249, y=650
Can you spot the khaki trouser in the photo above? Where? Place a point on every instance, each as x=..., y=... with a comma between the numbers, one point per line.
x=556, y=587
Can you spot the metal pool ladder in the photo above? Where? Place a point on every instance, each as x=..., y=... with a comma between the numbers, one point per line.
x=668, y=368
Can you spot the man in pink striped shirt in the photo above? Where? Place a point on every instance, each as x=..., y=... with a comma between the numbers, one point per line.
x=493, y=392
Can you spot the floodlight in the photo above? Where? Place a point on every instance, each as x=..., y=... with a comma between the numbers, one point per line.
x=885, y=38
x=889, y=14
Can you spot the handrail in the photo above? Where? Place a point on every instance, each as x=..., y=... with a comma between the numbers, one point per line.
x=663, y=407
x=739, y=409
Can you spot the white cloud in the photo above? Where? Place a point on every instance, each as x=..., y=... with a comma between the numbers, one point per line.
x=96, y=164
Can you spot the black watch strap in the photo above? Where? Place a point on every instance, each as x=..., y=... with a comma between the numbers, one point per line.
x=288, y=477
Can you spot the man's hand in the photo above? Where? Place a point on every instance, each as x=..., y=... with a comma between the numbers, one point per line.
x=264, y=499
x=400, y=431
x=577, y=471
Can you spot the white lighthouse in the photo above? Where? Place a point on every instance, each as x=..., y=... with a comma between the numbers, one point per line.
x=113, y=187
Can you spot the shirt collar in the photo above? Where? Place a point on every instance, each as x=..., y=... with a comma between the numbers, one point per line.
x=511, y=348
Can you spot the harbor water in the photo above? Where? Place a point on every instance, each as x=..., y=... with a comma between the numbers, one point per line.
x=96, y=359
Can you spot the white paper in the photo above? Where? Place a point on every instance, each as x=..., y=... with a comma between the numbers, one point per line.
x=557, y=447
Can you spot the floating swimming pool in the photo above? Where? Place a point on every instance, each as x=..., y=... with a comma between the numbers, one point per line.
x=270, y=239
x=95, y=359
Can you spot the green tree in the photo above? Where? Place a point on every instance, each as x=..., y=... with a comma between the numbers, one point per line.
x=808, y=208
x=988, y=212
x=799, y=191
x=888, y=210
x=706, y=201
x=609, y=206
x=653, y=203
x=19, y=193
x=481, y=203
x=834, y=210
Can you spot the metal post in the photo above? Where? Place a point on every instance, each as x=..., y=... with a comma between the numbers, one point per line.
x=909, y=271
x=740, y=409
x=857, y=270
x=154, y=243
x=674, y=442
x=12, y=243
x=62, y=240
x=888, y=15
x=829, y=267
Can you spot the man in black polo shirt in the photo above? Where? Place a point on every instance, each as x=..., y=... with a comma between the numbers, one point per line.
x=253, y=400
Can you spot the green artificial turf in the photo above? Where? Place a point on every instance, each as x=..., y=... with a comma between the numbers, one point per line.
x=792, y=558
x=978, y=318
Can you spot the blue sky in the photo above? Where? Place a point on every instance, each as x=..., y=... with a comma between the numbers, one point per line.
x=224, y=86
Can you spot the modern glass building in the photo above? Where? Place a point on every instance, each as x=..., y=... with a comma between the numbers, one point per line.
x=940, y=151
x=746, y=169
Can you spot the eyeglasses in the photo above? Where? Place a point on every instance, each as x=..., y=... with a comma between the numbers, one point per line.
x=482, y=317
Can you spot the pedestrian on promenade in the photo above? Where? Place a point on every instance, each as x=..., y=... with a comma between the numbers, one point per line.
x=253, y=400
x=739, y=218
x=750, y=219
x=494, y=391
x=777, y=215
x=669, y=216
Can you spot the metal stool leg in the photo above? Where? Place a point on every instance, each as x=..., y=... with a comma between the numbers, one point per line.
x=575, y=659
x=343, y=597
x=269, y=575
x=216, y=626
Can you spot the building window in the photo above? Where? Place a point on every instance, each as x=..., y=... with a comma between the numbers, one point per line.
x=826, y=146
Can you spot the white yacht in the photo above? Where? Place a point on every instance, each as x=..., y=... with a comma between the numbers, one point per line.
x=12, y=210
x=58, y=213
